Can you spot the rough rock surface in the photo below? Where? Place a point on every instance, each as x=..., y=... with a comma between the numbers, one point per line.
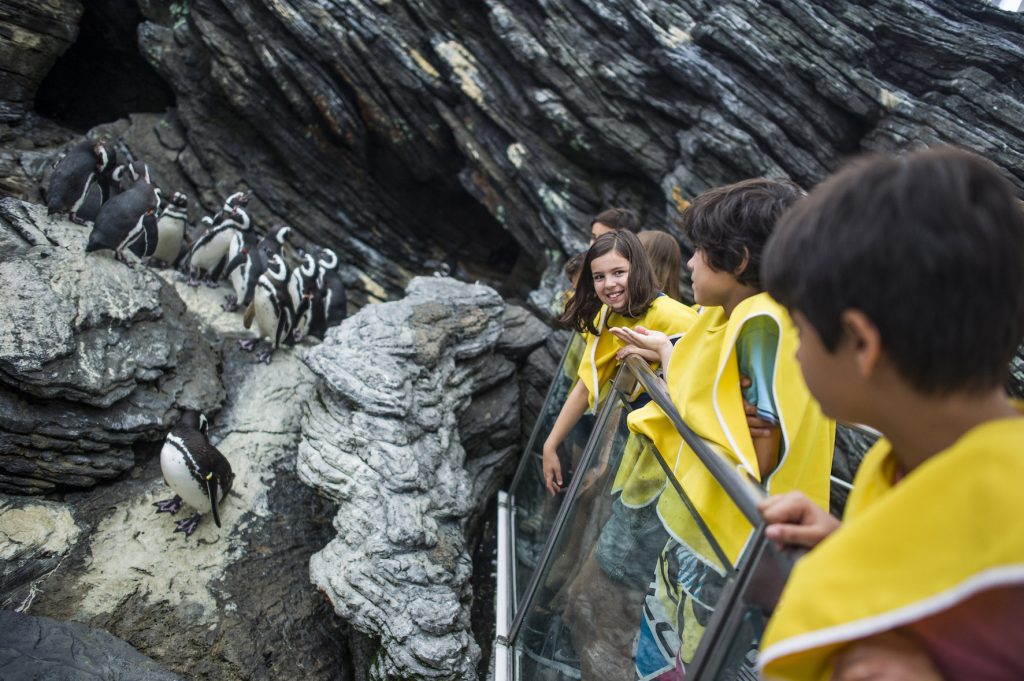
x=381, y=436
x=43, y=648
x=224, y=604
x=95, y=356
x=32, y=36
x=486, y=134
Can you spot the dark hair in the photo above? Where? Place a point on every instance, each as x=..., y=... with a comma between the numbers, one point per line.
x=641, y=288
x=928, y=246
x=618, y=219
x=573, y=267
x=666, y=260
x=731, y=224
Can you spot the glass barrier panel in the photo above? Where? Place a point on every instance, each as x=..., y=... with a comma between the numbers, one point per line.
x=533, y=511
x=617, y=593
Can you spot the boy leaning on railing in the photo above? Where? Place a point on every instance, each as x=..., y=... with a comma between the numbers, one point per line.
x=906, y=279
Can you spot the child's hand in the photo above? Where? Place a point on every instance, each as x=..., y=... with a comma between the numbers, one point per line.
x=892, y=656
x=643, y=353
x=552, y=470
x=759, y=428
x=795, y=520
x=641, y=337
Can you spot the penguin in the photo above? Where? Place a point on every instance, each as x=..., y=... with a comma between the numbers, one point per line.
x=329, y=305
x=272, y=309
x=245, y=268
x=195, y=470
x=170, y=228
x=128, y=221
x=211, y=247
x=301, y=290
x=81, y=181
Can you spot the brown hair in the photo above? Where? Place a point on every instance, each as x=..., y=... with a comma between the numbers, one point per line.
x=641, y=288
x=666, y=259
x=618, y=219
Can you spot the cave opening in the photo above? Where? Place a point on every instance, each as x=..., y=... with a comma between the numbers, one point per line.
x=103, y=75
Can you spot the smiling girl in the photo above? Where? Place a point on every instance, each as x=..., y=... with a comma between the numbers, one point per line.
x=616, y=289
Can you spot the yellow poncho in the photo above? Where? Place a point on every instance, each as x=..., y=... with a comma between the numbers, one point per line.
x=951, y=528
x=598, y=366
x=704, y=381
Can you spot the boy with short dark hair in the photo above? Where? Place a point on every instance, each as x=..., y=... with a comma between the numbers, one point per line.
x=906, y=279
x=613, y=220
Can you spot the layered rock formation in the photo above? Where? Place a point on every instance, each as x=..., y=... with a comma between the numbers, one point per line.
x=94, y=357
x=410, y=430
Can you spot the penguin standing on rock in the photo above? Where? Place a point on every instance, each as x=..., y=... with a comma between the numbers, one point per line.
x=197, y=472
x=302, y=287
x=244, y=269
x=81, y=181
x=210, y=249
x=272, y=308
x=170, y=229
x=330, y=304
x=128, y=221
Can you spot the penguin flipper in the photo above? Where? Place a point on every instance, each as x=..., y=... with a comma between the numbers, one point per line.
x=235, y=263
x=211, y=489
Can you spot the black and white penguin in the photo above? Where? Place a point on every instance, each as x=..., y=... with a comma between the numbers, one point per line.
x=301, y=290
x=196, y=471
x=170, y=228
x=81, y=181
x=244, y=269
x=330, y=304
x=272, y=309
x=210, y=249
x=127, y=222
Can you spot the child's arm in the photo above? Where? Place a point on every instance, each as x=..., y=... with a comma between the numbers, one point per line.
x=891, y=656
x=575, y=404
x=795, y=520
x=646, y=339
x=643, y=353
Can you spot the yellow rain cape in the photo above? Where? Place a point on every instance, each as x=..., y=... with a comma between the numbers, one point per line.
x=951, y=528
x=704, y=381
x=598, y=366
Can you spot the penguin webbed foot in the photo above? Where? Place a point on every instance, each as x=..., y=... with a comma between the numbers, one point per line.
x=212, y=283
x=297, y=337
x=230, y=304
x=249, y=344
x=168, y=505
x=265, y=356
x=192, y=281
x=75, y=219
x=188, y=525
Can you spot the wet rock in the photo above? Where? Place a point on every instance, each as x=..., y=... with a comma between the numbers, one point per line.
x=96, y=356
x=42, y=648
x=35, y=537
x=382, y=436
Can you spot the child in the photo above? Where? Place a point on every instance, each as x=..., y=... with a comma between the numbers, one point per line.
x=613, y=220
x=619, y=291
x=740, y=331
x=909, y=296
x=666, y=260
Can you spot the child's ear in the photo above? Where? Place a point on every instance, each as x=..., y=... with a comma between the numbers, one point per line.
x=743, y=264
x=866, y=342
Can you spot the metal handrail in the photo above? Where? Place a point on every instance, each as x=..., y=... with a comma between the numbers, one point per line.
x=742, y=490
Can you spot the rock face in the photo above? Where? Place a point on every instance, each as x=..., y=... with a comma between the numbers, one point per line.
x=381, y=435
x=94, y=357
x=383, y=130
x=39, y=647
x=227, y=603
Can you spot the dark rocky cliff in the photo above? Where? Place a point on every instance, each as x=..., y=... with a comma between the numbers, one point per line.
x=485, y=134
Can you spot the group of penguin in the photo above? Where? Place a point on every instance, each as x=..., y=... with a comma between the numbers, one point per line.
x=131, y=219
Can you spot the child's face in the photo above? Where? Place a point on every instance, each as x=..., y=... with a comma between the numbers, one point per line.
x=611, y=276
x=825, y=372
x=710, y=287
x=599, y=229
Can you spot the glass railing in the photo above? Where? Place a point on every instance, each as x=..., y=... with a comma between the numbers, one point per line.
x=533, y=510
x=629, y=582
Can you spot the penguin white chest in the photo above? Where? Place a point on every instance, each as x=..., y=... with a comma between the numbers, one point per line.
x=182, y=474
x=209, y=254
x=239, y=279
x=266, y=310
x=170, y=231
